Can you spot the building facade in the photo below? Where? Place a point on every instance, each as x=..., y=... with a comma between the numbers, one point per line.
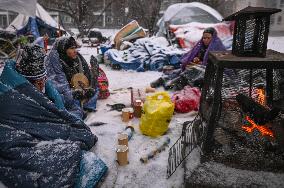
x=6, y=18
x=277, y=20
x=227, y=7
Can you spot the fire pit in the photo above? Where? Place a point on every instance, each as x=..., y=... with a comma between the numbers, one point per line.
x=244, y=128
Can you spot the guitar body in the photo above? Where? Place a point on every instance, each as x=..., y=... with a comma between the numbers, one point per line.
x=80, y=81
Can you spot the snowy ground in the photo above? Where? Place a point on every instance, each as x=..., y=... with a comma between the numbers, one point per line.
x=136, y=174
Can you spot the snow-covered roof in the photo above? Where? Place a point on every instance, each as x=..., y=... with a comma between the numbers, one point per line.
x=174, y=9
x=21, y=20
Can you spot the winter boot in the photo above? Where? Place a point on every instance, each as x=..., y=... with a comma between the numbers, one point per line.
x=157, y=83
x=176, y=82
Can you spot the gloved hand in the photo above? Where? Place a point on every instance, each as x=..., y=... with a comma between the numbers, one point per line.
x=89, y=93
x=78, y=94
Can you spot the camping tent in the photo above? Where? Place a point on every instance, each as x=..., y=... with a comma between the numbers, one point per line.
x=38, y=26
x=184, y=13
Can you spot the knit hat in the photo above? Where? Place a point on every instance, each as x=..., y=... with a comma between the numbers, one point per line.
x=30, y=62
x=64, y=43
x=210, y=30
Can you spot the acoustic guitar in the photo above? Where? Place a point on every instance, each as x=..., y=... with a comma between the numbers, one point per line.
x=80, y=81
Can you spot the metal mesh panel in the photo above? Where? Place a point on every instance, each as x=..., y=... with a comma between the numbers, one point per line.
x=250, y=37
x=193, y=134
x=240, y=82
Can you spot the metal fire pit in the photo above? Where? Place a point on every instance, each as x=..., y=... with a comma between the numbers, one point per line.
x=226, y=76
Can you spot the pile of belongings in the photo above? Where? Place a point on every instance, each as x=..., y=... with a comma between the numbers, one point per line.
x=189, y=34
x=129, y=32
x=144, y=55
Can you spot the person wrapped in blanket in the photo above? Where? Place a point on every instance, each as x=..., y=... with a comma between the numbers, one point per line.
x=192, y=63
x=72, y=77
x=30, y=64
x=42, y=144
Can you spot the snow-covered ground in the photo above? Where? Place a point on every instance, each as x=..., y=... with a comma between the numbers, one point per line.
x=135, y=174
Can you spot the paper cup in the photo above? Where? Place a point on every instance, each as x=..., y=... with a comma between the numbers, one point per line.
x=125, y=115
x=121, y=152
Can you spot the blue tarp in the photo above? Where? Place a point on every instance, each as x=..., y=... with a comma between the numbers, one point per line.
x=37, y=27
x=41, y=146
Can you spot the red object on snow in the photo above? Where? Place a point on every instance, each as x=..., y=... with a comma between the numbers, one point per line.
x=187, y=99
x=103, y=85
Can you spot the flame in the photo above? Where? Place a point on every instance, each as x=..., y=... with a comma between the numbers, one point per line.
x=261, y=96
x=262, y=129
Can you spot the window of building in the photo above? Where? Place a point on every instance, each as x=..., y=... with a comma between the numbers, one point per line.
x=109, y=20
x=67, y=19
x=279, y=20
x=3, y=21
x=118, y=21
x=272, y=20
x=282, y=4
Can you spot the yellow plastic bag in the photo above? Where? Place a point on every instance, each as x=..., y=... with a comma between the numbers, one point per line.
x=157, y=112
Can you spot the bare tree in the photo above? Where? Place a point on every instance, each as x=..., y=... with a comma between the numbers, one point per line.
x=146, y=12
x=81, y=11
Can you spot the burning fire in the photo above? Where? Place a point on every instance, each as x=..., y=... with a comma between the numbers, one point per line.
x=261, y=128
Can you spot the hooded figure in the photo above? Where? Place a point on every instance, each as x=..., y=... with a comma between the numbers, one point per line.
x=30, y=64
x=209, y=42
x=63, y=64
x=192, y=63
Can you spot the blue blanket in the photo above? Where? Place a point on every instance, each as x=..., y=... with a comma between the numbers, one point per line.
x=144, y=55
x=41, y=145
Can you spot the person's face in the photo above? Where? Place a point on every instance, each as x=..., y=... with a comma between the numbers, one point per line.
x=72, y=53
x=39, y=84
x=206, y=38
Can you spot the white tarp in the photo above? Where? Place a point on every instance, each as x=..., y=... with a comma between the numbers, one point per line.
x=21, y=20
x=186, y=9
x=26, y=7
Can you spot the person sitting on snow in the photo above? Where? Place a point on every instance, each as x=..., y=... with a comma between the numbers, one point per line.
x=42, y=144
x=30, y=64
x=72, y=77
x=192, y=63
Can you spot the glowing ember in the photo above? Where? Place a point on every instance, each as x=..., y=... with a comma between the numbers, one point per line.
x=261, y=96
x=262, y=129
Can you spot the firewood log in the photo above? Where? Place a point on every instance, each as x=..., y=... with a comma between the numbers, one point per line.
x=257, y=112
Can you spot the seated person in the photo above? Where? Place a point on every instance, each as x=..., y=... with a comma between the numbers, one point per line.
x=30, y=64
x=72, y=77
x=192, y=63
x=42, y=144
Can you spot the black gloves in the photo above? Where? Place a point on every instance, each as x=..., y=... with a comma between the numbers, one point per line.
x=80, y=94
x=90, y=92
